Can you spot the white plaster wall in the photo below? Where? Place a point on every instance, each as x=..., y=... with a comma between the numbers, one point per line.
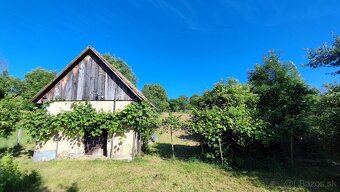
x=46, y=146
x=68, y=147
x=122, y=144
x=107, y=106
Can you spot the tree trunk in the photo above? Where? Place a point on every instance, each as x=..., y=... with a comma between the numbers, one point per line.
x=172, y=144
x=221, y=152
x=19, y=136
x=291, y=147
x=139, y=144
x=111, y=149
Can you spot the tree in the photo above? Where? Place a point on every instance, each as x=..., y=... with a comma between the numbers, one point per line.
x=284, y=98
x=11, y=104
x=10, y=114
x=325, y=117
x=9, y=85
x=35, y=80
x=122, y=67
x=172, y=122
x=194, y=100
x=180, y=104
x=157, y=96
x=325, y=56
x=226, y=125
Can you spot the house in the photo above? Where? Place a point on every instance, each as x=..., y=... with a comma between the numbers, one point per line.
x=89, y=77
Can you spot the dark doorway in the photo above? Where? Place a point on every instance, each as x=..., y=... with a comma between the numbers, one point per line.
x=96, y=146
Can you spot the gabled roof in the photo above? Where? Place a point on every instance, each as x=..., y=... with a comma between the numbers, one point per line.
x=86, y=51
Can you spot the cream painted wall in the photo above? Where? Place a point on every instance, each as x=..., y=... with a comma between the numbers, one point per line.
x=123, y=145
x=107, y=106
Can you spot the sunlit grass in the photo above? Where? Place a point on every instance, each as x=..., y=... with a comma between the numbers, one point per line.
x=158, y=172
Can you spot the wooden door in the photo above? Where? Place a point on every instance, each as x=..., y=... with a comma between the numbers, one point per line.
x=96, y=146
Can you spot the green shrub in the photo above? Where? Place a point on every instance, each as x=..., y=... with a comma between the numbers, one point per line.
x=11, y=179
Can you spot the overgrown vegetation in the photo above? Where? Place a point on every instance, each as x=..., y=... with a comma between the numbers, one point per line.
x=12, y=179
x=226, y=125
x=276, y=117
x=83, y=118
x=285, y=101
x=156, y=94
x=273, y=119
x=122, y=67
x=159, y=172
x=182, y=104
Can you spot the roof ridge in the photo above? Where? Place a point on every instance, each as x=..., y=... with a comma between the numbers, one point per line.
x=131, y=86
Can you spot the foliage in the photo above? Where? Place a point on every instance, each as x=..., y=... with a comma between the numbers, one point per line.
x=39, y=123
x=10, y=114
x=11, y=179
x=122, y=67
x=172, y=123
x=83, y=118
x=35, y=81
x=284, y=98
x=11, y=103
x=156, y=94
x=226, y=118
x=194, y=100
x=325, y=117
x=180, y=104
x=154, y=172
x=9, y=85
x=326, y=56
x=142, y=118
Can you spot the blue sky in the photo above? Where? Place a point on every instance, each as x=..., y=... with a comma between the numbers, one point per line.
x=185, y=45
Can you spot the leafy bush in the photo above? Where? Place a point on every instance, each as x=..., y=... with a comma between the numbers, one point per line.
x=225, y=123
x=11, y=179
x=325, y=118
x=142, y=118
x=10, y=114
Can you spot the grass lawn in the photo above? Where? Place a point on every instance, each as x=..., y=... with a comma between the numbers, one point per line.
x=157, y=172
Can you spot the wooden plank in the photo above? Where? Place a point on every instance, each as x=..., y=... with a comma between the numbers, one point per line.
x=90, y=79
x=106, y=85
x=96, y=80
x=87, y=76
x=111, y=86
x=92, y=73
x=101, y=79
x=68, y=86
x=81, y=80
x=75, y=72
x=57, y=91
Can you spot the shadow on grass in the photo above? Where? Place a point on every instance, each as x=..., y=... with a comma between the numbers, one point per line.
x=187, y=137
x=16, y=151
x=31, y=182
x=282, y=177
x=285, y=177
x=16, y=181
x=72, y=188
x=182, y=152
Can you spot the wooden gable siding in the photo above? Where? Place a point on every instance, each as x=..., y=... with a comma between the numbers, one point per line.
x=88, y=79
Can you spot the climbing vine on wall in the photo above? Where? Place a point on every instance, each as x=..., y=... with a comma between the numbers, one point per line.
x=140, y=117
